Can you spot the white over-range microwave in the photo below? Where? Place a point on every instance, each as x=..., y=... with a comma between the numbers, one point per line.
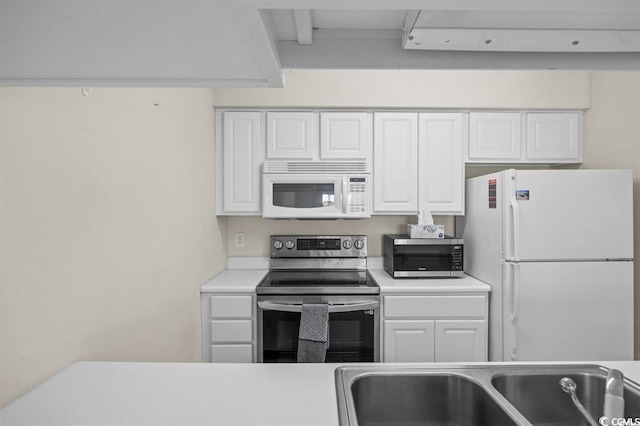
x=316, y=189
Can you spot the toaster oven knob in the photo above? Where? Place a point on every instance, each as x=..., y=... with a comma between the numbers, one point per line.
x=289, y=244
x=358, y=244
x=347, y=244
x=277, y=244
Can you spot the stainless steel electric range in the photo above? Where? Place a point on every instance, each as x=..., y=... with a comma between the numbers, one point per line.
x=307, y=269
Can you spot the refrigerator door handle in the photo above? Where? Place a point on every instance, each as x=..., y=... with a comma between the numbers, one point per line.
x=514, y=283
x=515, y=229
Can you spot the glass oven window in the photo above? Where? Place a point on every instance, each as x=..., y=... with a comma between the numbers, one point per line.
x=351, y=336
x=303, y=195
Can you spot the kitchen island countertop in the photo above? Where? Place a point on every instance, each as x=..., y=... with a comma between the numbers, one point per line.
x=190, y=394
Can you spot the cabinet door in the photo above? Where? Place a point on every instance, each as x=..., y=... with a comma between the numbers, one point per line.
x=346, y=135
x=409, y=341
x=441, y=164
x=291, y=135
x=232, y=353
x=243, y=156
x=495, y=137
x=395, y=163
x=460, y=340
x=553, y=136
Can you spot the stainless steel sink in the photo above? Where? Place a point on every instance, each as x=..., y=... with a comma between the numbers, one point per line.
x=418, y=399
x=388, y=394
x=537, y=396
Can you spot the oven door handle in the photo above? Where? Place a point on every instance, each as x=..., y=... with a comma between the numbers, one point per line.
x=350, y=307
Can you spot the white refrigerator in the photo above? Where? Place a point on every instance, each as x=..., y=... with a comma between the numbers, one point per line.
x=556, y=246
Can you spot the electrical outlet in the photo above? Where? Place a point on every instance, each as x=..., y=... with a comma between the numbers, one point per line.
x=239, y=239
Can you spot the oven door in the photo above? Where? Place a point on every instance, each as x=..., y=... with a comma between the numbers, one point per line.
x=354, y=328
x=303, y=196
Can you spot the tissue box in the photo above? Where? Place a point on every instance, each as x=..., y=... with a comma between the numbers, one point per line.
x=425, y=231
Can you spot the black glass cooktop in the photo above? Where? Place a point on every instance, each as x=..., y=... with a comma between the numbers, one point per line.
x=317, y=282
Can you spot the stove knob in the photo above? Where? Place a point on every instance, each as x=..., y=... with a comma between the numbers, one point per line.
x=347, y=244
x=277, y=244
x=289, y=244
x=359, y=244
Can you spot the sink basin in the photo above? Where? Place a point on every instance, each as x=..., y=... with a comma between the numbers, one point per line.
x=537, y=396
x=391, y=394
x=418, y=399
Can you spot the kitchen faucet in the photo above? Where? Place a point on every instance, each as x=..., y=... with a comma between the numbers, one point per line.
x=613, y=398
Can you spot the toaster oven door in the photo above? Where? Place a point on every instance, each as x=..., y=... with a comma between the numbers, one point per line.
x=423, y=260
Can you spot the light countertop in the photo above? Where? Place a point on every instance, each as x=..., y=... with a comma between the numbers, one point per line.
x=244, y=274
x=388, y=284
x=195, y=394
x=234, y=280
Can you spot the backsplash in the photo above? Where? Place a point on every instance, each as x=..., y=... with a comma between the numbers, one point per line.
x=257, y=230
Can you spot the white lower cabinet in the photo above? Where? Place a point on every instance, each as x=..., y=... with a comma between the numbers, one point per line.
x=460, y=340
x=228, y=327
x=232, y=353
x=441, y=328
x=407, y=341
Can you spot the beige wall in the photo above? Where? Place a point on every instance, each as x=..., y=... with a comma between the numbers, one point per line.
x=257, y=230
x=612, y=140
x=107, y=227
x=419, y=89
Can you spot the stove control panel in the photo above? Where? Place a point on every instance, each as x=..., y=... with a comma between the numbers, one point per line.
x=318, y=246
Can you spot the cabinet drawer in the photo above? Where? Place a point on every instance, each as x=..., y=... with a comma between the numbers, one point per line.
x=231, y=306
x=434, y=306
x=232, y=331
x=231, y=353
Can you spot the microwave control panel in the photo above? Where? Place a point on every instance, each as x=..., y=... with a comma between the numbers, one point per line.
x=357, y=189
x=456, y=257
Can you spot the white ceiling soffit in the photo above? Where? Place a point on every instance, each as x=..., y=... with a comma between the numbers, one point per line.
x=461, y=34
x=197, y=43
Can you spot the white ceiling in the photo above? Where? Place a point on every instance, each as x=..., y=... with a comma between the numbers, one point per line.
x=208, y=43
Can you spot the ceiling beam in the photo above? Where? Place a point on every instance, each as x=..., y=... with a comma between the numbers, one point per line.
x=610, y=6
x=304, y=25
x=259, y=30
x=389, y=54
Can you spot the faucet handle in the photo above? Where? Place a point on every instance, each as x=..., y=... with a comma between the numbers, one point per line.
x=614, y=395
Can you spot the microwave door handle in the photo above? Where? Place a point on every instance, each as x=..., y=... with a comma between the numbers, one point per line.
x=350, y=307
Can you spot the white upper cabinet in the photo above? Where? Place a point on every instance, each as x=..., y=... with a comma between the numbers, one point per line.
x=554, y=136
x=494, y=137
x=345, y=135
x=395, y=165
x=243, y=153
x=525, y=137
x=441, y=163
x=292, y=135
